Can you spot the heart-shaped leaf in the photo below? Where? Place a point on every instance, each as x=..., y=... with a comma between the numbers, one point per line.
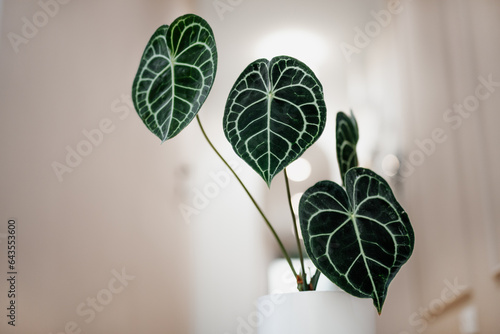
x=274, y=112
x=175, y=75
x=359, y=237
x=347, y=137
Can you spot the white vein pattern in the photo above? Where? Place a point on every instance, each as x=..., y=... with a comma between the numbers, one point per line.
x=175, y=75
x=359, y=238
x=274, y=112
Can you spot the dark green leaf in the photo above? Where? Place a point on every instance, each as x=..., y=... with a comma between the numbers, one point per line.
x=175, y=75
x=359, y=237
x=347, y=137
x=274, y=112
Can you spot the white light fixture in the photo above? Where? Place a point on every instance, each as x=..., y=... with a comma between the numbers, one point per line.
x=304, y=45
x=390, y=165
x=299, y=170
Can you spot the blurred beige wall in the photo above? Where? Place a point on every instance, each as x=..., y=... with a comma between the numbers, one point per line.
x=450, y=83
x=66, y=70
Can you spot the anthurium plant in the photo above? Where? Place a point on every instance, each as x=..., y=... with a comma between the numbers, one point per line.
x=356, y=234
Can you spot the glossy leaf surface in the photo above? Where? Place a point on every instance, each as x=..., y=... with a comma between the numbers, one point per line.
x=346, y=139
x=274, y=112
x=359, y=237
x=175, y=75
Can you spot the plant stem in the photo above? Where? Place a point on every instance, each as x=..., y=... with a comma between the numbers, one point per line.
x=296, y=232
x=282, y=247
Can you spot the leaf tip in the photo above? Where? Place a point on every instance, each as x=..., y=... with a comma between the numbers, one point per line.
x=379, y=303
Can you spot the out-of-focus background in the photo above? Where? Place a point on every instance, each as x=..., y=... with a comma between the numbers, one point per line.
x=119, y=234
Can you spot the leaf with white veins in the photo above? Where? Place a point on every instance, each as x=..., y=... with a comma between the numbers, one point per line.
x=347, y=138
x=175, y=75
x=274, y=112
x=359, y=237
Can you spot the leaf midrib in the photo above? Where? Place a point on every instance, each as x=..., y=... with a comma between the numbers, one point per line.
x=362, y=251
x=269, y=102
x=171, y=57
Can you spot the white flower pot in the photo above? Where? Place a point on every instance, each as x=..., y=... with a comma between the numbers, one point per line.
x=315, y=312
